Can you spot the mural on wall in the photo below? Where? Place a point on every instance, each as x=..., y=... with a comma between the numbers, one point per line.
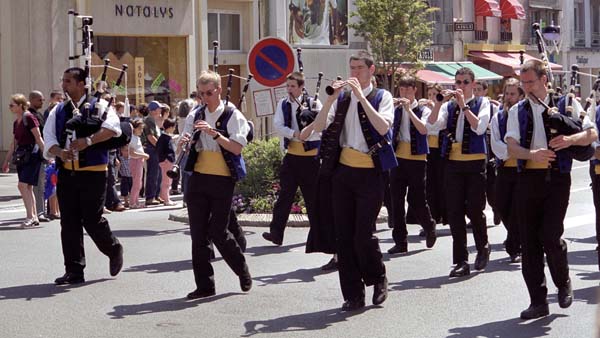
x=318, y=22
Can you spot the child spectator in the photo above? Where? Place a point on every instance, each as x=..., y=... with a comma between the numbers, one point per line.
x=137, y=156
x=166, y=158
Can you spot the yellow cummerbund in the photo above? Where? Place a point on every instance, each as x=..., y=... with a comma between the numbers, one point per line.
x=403, y=151
x=100, y=167
x=510, y=163
x=536, y=165
x=356, y=159
x=433, y=141
x=457, y=155
x=597, y=169
x=211, y=163
x=297, y=148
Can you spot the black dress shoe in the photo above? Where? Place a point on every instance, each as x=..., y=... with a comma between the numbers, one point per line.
x=353, y=305
x=430, y=239
x=482, y=258
x=43, y=218
x=565, y=295
x=269, y=237
x=461, y=269
x=116, y=261
x=70, y=278
x=380, y=291
x=516, y=258
x=535, y=311
x=246, y=282
x=201, y=293
x=398, y=248
x=331, y=265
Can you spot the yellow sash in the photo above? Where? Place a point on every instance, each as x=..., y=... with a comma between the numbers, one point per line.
x=211, y=163
x=100, y=167
x=356, y=159
x=297, y=148
x=457, y=155
x=597, y=169
x=433, y=141
x=536, y=165
x=510, y=163
x=403, y=151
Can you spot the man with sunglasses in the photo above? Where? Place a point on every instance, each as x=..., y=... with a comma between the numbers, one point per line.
x=463, y=122
x=544, y=186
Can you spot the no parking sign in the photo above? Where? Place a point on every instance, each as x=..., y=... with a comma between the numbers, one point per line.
x=270, y=61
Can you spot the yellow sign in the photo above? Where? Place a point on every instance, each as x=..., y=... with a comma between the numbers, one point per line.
x=139, y=81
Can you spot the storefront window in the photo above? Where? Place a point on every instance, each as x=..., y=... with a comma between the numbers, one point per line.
x=225, y=28
x=158, y=63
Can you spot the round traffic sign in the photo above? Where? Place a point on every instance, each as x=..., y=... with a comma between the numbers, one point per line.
x=270, y=61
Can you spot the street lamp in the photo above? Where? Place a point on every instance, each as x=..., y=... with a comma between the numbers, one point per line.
x=552, y=33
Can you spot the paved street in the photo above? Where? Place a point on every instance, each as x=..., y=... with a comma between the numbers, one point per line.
x=291, y=297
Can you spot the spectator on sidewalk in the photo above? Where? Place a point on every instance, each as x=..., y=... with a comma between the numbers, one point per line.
x=137, y=156
x=36, y=101
x=166, y=158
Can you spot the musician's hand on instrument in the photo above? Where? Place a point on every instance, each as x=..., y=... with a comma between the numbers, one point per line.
x=337, y=88
x=560, y=142
x=447, y=94
x=185, y=138
x=356, y=88
x=405, y=103
x=78, y=144
x=460, y=98
x=65, y=155
x=543, y=155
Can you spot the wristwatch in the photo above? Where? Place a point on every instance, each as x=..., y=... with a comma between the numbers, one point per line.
x=465, y=108
x=217, y=136
x=88, y=141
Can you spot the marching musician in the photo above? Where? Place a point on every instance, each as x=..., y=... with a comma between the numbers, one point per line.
x=506, y=181
x=81, y=185
x=543, y=185
x=410, y=142
x=464, y=121
x=300, y=165
x=217, y=164
x=359, y=122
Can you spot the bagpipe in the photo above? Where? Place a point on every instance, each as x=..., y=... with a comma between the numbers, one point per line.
x=308, y=111
x=190, y=144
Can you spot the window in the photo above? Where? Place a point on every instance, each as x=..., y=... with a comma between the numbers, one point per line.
x=225, y=28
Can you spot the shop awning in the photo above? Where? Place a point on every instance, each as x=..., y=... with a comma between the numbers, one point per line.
x=509, y=62
x=431, y=77
x=512, y=9
x=487, y=8
x=449, y=69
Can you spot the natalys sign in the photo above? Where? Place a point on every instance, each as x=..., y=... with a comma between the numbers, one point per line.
x=144, y=11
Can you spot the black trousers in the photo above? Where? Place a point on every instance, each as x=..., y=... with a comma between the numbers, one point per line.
x=409, y=176
x=435, y=186
x=490, y=185
x=465, y=195
x=296, y=171
x=506, y=204
x=387, y=197
x=357, y=199
x=542, y=210
x=596, y=193
x=209, y=205
x=112, y=197
x=81, y=201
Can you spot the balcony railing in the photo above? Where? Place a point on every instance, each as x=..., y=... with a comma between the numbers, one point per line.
x=506, y=36
x=595, y=39
x=481, y=35
x=579, y=39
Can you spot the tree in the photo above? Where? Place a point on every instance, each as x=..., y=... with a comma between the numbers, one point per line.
x=396, y=31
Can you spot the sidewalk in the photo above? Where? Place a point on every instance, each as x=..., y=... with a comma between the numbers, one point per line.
x=9, y=193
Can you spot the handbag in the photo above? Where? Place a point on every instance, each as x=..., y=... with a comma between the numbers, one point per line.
x=21, y=156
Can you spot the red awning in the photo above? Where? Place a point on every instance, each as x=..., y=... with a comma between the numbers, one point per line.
x=509, y=61
x=487, y=8
x=512, y=9
x=431, y=77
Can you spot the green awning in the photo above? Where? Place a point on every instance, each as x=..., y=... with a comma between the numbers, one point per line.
x=450, y=68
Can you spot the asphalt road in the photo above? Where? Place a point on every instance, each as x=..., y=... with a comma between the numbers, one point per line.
x=291, y=297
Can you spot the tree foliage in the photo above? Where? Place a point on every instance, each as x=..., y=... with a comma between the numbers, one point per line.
x=396, y=31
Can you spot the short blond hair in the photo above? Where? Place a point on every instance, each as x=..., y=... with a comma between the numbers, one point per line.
x=20, y=100
x=208, y=76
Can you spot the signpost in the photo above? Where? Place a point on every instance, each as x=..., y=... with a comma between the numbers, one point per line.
x=270, y=60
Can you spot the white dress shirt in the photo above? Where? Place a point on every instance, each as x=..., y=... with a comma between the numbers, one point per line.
x=352, y=136
x=237, y=127
x=499, y=148
x=404, y=134
x=279, y=121
x=442, y=121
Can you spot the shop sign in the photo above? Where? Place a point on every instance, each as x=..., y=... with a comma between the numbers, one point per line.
x=582, y=60
x=139, y=81
x=140, y=11
x=464, y=26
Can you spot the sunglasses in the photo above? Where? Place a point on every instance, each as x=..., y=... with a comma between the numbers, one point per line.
x=465, y=82
x=207, y=93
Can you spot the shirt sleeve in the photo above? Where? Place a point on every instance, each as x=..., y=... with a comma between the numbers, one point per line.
x=112, y=122
x=50, y=138
x=238, y=128
x=498, y=146
x=577, y=109
x=188, y=127
x=441, y=121
x=32, y=121
x=331, y=113
x=484, y=117
x=279, y=122
x=512, y=126
x=386, y=108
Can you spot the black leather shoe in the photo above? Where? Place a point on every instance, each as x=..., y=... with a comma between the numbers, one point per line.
x=565, y=295
x=516, y=258
x=535, y=311
x=269, y=237
x=460, y=270
x=482, y=258
x=246, y=282
x=380, y=291
x=353, y=305
x=70, y=278
x=331, y=265
x=201, y=293
x=430, y=239
x=398, y=248
x=116, y=261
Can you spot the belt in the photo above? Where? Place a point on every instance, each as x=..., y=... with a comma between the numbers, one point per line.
x=433, y=141
x=403, y=151
x=356, y=159
x=457, y=155
x=510, y=163
x=211, y=163
x=100, y=167
x=297, y=148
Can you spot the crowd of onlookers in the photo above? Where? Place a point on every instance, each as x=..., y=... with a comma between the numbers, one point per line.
x=139, y=169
